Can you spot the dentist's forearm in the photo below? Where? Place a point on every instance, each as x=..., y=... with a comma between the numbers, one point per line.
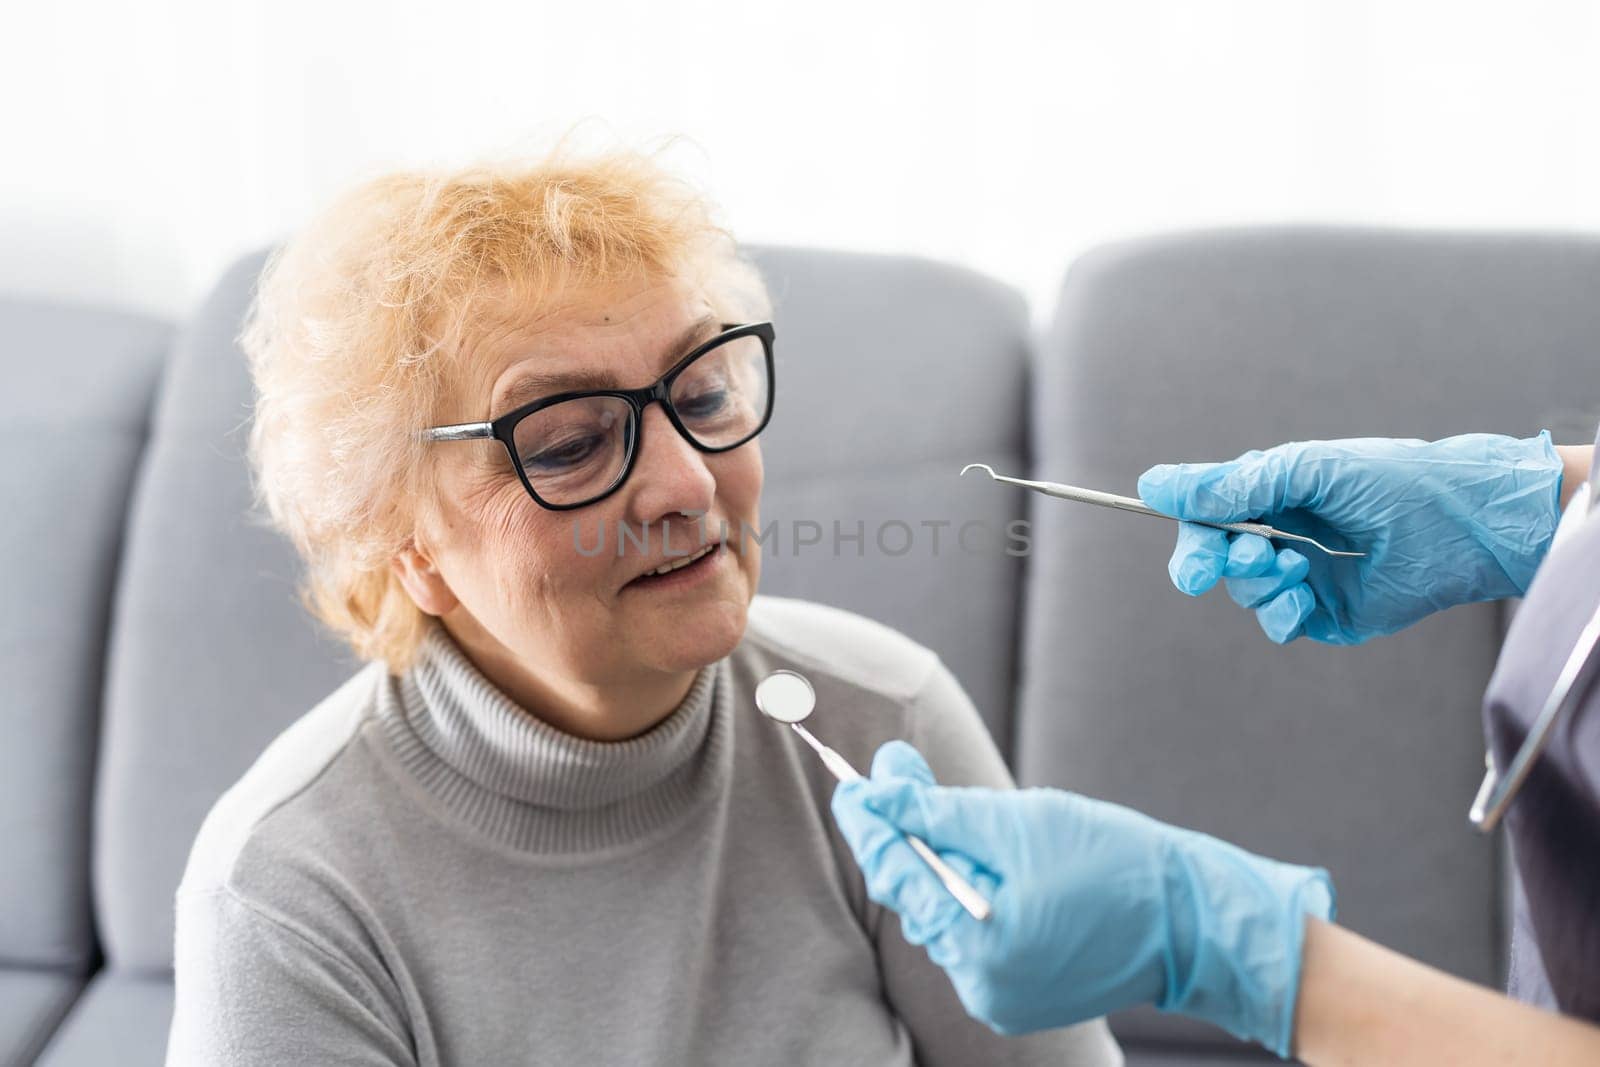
x=1574, y=468
x=1361, y=1003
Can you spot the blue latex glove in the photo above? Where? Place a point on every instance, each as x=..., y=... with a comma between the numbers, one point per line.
x=1443, y=523
x=1096, y=907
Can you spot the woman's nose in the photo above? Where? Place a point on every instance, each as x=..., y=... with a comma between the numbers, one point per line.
x=669, y=475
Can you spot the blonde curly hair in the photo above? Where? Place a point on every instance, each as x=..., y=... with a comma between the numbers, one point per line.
x=356, y=319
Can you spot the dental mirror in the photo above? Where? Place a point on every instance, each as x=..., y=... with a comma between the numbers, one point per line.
x=785, y=696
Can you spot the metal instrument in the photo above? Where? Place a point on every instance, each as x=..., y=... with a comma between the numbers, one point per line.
x=785, y=696
x=1139, y=507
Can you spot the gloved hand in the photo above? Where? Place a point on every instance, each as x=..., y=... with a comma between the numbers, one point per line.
x=1443, y=523
x=1096, y=907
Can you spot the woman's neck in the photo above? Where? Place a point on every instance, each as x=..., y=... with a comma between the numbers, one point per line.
x=620, y=709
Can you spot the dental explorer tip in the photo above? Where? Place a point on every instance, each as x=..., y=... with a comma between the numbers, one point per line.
x=984, y=467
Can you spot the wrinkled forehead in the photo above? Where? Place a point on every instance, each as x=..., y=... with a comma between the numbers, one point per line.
x=522, y=344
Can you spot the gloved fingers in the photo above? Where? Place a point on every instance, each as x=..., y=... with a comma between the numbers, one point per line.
x=965, y=939
x=1288, y=568
x=894, y=875
x=927, y=930
x=858, y=824
x=968, y=868
x=1250, y=487
x=1199, y=559
x=1284, y=617
x=967, y=821
x=899, y=759
x=1249, y=556
x=977, y=876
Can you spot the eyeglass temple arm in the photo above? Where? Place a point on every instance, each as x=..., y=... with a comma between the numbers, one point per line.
x=461, y=431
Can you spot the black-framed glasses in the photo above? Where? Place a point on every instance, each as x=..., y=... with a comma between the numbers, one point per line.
x=575, y=448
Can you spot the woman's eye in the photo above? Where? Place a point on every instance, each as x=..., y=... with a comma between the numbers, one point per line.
x=702, y=405
x=565, y=455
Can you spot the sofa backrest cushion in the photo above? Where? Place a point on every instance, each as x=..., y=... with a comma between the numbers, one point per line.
x=892, y=374
x=76, y=384
x=211, y=655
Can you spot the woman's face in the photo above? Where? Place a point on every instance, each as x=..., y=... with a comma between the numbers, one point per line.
x=527, y=601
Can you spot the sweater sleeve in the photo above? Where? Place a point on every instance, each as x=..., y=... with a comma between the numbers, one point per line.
x=252, y=989
x=945, y=726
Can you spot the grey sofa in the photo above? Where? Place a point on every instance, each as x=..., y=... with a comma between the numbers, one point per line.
x=156, y=644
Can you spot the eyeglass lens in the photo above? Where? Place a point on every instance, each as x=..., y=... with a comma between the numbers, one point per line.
x=576, y=450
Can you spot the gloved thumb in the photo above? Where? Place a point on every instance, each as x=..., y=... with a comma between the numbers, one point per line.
x=1250, y=487
x=968, y=821
x=898, y=759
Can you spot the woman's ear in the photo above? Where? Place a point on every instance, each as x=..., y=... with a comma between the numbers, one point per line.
x=422, y=580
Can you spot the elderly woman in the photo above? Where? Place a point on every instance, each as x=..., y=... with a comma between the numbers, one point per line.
x=546, y=823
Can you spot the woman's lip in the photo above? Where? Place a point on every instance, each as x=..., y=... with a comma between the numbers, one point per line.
x=685, y=575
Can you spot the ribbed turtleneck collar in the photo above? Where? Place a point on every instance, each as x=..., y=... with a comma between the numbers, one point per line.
x=533, y=787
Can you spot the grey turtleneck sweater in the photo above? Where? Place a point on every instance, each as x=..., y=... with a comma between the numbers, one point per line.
x=420, y=872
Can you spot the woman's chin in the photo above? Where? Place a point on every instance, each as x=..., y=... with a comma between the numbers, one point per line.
x=691, y=643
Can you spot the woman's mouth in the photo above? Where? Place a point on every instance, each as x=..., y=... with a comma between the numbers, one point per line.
x=678, y=573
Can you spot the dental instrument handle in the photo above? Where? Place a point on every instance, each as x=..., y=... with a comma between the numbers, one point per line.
x=839, y=765
x=968, y=897
x=957, y=886
x=1139, y=507
x=832, y=760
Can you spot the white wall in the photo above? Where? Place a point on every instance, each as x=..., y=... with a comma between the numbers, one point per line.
x=145, y=145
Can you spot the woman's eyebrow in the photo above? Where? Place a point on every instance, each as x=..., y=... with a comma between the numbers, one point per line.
x=531, y=384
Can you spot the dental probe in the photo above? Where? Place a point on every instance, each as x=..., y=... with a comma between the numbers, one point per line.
x=1139, y=507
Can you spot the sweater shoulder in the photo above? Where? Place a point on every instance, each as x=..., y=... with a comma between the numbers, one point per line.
x=286, y=770
x=852, y=648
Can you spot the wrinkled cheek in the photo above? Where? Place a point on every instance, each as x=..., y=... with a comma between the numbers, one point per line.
x=544, y=598
x=528, y=572
x=524, y=586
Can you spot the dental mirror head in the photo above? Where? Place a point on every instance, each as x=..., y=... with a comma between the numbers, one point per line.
x=785, y=696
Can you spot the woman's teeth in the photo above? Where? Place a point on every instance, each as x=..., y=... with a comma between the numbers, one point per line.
x=668, y=568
